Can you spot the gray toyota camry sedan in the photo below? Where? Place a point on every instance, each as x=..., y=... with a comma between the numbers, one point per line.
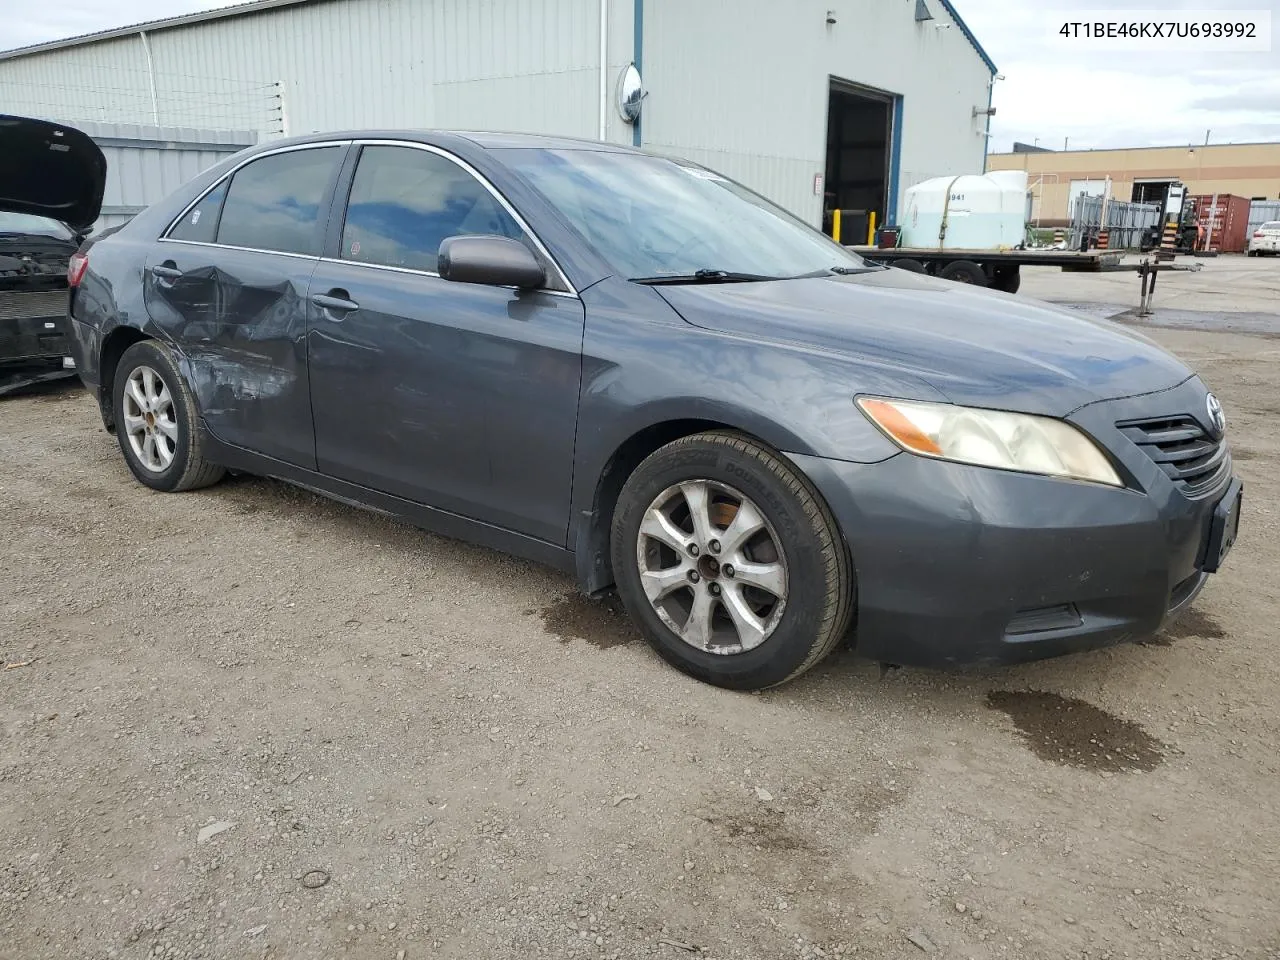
x=636, y=370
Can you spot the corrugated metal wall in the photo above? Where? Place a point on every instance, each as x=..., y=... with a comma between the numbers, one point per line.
x=740, y=85
x=108, y=82
x=146, y=164
x=524, y=65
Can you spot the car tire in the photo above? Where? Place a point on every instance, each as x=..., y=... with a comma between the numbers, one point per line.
x=754, y=637
x=157, y=424
x=964, y=271
x=911, y=266
x=1007, y=279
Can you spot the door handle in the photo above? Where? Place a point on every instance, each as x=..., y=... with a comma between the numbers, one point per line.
x=166, y=272
x=335, y=301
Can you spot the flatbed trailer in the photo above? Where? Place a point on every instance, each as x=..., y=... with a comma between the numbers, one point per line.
x=998, y=269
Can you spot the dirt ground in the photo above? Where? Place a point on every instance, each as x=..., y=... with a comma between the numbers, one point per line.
x=248, y=722
x=1235, y=286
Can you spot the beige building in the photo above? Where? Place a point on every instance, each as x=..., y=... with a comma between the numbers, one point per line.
x=1250, y=170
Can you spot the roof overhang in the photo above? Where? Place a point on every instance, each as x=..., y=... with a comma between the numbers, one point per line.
x=150, y=26
x=973, y=41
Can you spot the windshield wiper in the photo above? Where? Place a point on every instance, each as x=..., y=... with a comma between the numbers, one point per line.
x=850, y=271
x=705, y=276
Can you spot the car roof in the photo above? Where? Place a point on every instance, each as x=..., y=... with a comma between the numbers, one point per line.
x=501, y=141
x=486, y=140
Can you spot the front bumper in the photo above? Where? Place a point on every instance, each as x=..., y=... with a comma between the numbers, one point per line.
x=966, y=565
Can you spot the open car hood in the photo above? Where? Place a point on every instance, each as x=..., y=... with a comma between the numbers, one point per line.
x=50, y=170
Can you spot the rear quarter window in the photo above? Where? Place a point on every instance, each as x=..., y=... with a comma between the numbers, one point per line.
x=276, y=202
x=200, y=223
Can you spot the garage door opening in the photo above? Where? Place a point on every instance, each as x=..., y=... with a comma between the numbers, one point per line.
x=857, y=175
x=1151, y=191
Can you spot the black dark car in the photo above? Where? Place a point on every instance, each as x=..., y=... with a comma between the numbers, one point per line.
x=51, y=182
x=34, y=255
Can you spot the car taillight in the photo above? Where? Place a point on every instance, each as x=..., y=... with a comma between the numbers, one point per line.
x=76, y=267
x=1258, y=234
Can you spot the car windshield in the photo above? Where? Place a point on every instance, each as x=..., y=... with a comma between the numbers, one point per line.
x=29, y=223
x=1271, y=225
x=651, y=217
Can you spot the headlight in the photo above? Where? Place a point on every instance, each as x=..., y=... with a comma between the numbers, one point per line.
x=991, y=438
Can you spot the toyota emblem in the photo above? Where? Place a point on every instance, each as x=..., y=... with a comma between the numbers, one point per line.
x=1217, y=419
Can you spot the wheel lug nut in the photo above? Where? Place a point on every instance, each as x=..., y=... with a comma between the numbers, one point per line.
x=715, y=589
x=693, y=576
x=727, y=569
x=715, y=546
x=693, y=549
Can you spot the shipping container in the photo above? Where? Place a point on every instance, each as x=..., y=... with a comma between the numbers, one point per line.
x=1223, y=220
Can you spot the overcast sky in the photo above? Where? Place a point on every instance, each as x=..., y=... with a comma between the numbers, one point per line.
x=1052, y=87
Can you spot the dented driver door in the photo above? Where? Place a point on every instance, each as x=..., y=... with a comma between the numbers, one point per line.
x=228, y=286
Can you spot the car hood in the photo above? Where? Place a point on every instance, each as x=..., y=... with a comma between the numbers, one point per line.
x=974, y=346
x=50, y=170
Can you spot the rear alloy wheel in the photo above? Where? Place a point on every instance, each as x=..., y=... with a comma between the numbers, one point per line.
x=147, y=419
x=730, y=563
x=156, y=422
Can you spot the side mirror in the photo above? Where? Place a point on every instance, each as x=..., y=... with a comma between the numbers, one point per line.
x=493, y=261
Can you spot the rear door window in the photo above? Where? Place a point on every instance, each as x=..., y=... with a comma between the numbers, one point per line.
x=277, y=202
x=200, y=223
x=404, y=202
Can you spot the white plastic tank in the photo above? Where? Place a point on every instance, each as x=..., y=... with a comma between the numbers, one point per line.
x=985, y=212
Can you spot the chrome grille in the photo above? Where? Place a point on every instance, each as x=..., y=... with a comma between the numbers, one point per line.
x=1183, y=449
x=20, y=304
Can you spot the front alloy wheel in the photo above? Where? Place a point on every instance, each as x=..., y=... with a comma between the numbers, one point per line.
x=712, y=567
x=730, y=562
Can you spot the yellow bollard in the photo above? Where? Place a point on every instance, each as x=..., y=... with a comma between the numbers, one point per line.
x=871, y=229
x=835, y=225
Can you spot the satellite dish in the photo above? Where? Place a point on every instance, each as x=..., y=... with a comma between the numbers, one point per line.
x=630, y=93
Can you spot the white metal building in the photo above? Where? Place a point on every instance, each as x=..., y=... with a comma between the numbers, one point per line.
x=815, y=103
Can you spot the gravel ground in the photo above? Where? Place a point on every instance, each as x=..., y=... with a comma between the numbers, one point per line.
x=1244, y=286
x=248, y=722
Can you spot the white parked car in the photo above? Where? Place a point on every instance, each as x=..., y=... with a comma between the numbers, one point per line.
x=1265, y=240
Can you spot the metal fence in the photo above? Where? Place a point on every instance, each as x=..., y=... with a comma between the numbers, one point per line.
x=146, y=163
x=1125, y=221
x=1260, y=211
